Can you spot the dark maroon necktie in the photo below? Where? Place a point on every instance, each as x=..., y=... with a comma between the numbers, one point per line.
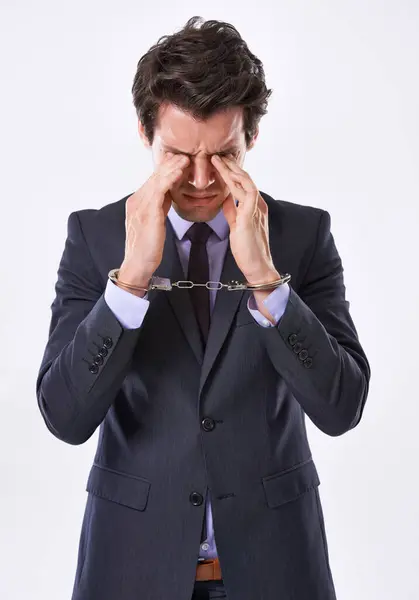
x=198, y=272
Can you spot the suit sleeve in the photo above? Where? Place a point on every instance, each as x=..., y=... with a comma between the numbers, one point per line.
x=315, y=346
x=88, y=351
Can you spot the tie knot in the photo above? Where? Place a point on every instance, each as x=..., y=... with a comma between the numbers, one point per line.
x=199, y=233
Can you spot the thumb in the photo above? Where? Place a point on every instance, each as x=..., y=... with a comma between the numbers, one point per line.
x=167, y=203
x=229, y=210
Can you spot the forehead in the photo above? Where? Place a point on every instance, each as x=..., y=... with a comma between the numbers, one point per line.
x=178, y=129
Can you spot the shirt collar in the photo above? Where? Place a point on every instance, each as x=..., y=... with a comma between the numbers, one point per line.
x=218, y=224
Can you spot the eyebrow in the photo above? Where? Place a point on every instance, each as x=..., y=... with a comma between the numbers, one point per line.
x=226, y=150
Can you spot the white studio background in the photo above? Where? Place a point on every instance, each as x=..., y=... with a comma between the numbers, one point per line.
x=341, y=133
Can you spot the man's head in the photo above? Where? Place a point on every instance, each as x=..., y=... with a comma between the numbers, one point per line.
x=200, y=92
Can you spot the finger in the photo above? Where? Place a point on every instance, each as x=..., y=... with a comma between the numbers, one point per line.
x=235, y=188
x=164, y=178
x=220, y=164
x=238, y=174
x=237, y=184
x=231, y=163
x=167, y=155
x=240, y=185
x=241, y=178
x=174, y=159
x=175, y=162
x=235, y=174
x=222, y=169
x=167, y=180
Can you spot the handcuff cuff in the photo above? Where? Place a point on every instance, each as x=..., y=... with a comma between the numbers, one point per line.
x=164, y=284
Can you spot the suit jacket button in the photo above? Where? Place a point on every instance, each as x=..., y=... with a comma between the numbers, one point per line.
x=308, y=362
x=94, y=369
x=107, y=342
x=303, y=354
x=103, y=352
x=297, y=347
x=208, y=424
x=292, y=339
x=98, y=360
x=196, y=498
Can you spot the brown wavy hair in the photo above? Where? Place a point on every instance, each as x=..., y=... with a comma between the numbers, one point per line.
x=201, y=71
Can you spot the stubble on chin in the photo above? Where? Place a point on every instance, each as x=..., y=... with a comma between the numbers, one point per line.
x=197, y=215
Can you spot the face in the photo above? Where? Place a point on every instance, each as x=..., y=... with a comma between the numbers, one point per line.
x=178, y=132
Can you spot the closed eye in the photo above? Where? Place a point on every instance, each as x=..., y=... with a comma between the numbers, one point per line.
x=222, y=154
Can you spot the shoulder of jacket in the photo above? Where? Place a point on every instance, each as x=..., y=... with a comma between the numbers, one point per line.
x=109, y=213
x=284, y=209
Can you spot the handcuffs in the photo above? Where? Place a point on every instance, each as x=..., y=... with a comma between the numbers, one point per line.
x=164, y=284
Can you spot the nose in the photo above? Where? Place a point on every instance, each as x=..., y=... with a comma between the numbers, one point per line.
x=201, y=173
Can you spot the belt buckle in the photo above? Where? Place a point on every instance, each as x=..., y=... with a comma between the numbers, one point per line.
x=204, y=560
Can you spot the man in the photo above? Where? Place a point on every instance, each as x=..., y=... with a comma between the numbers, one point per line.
x=203, y=484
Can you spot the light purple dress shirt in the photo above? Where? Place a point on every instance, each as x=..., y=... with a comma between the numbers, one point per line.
x=130, y=310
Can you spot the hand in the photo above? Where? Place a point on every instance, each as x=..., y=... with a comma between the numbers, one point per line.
x=248, y=222
x=145, y=215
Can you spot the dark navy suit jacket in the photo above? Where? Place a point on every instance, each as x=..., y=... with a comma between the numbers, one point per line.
x=152, y=392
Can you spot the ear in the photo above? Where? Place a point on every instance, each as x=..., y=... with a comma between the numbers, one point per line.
x=142, y=134
x=253, y=141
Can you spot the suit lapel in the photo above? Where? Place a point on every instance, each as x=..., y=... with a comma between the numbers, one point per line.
x=225, y=307
x=226, y=303
x=179, y=299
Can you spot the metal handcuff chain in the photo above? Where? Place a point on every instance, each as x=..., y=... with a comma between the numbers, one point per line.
x=164, y=284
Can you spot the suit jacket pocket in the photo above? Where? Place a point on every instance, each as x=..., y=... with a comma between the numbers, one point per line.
x=289, y=485
x=122, y=488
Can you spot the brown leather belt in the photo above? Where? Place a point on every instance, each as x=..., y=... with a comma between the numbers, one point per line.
x=208, y=569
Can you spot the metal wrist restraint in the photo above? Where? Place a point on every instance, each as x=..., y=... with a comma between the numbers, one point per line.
x=164, y=284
